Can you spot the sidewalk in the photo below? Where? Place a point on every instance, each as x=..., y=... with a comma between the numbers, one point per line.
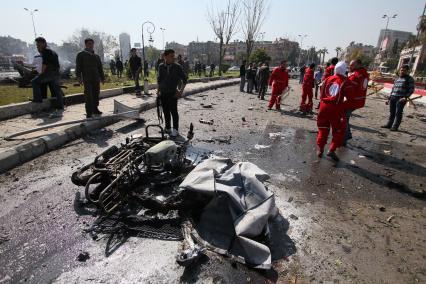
x=29, y=146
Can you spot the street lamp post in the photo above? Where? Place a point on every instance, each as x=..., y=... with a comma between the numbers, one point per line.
x=150, y=29
x=301, y=45
x=162, y=31
x=386, y=29
x=32, y=18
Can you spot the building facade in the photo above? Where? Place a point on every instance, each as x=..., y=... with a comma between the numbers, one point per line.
x=124, y=39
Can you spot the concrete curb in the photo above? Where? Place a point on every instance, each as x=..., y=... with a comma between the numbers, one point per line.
x=27, y=151
x=15, y=110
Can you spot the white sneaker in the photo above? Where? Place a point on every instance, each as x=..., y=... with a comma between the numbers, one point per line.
x=174, y=133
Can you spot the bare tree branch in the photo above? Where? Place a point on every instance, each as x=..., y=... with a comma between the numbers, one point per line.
x=223, y=22
x=254, y=15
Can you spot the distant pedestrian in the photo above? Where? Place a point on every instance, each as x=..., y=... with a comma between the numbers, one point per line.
x=204, y=68
x=112, y=66
x=159, y=61
x=170, y=76
x=146, y=69
x=255, y=77
x=90, y=73
x=212, y=67
x=317, y=76
x=242, y=76
x=119, y=66
x=186, y=67
x=49, y=75
x=250, y=76
x=302, y=73
x=263, y=74
x=135, y=63
x=403, y=88
x=307, y=90
x=180, y=60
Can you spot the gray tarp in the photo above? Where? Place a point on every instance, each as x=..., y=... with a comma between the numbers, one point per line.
x=238, y=214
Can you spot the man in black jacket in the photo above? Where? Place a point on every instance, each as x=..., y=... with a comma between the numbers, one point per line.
x=90, y=73
x=243, y=76
x=135, y=63
x=49, y=75
x=170, y=76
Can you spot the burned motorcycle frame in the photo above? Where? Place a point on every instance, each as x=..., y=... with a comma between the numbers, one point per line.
x=139, y=163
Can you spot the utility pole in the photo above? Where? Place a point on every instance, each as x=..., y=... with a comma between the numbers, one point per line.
x=32, y=18
x=386, y=29
x=301, y=45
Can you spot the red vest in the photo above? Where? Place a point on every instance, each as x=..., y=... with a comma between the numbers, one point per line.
x=279, y=78
x=359, y=79
x=308, y=79
x=335, y=89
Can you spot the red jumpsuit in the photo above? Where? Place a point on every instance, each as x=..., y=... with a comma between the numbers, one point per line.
x=332, y=111
x=307, y=91
x=359, y=79
x=329, y=71
x=279, y=82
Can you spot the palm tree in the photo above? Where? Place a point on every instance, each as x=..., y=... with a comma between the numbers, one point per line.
x=324, y=51
x=338, y=50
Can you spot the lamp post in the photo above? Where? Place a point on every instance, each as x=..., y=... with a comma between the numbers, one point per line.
x=32, y=18
x=162, y=31
x=386, y=29
x=301, y=45
x=150, y=28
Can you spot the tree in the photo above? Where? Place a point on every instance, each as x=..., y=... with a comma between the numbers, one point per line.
x=338, y=50
x=254, y=14
x=223, y=23
x=357, y=53
x=10, y=46
x=259, y=55
x=104, y=43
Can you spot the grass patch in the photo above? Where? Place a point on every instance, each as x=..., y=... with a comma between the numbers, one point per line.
x=10, y=94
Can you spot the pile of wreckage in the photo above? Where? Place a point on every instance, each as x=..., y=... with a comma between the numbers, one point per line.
x=154, y=187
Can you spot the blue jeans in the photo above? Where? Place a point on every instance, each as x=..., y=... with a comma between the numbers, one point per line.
x=53, y=81
x=348, y=133
x=396, y=109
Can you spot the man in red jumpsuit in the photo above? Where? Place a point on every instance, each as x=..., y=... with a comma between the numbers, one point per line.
x=359, y=78
x=279, y=83
x=332, y=112
x=329, y=71
x=307, y=90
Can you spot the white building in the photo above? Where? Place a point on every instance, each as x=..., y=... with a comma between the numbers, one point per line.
x=124, y=39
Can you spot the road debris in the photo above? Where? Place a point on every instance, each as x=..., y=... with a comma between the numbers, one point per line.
x=259, y=147
x=209, y=122
x=83, y=256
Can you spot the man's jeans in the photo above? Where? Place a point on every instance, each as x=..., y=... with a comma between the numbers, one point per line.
x=53, y=81
x=242, y=83
x=135, y=76
x=396, y=109
x=348, y=133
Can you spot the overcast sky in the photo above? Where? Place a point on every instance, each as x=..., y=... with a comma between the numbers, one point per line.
x=327, y=23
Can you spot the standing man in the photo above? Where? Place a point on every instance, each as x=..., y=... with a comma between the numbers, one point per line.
x=307, y=90
x=186, y=67
x=256, y=87
x=403, y=88
x=317, y=78
x=302, y=73
x=279, y=82
x=212, y=67
x=170, y=76
x=48, y=75
x=332, y=112
x=250, y=76
x=135, y=63
x=329, y=71
x=119, y=66
x=90, y=73
x=242, y=76
x=112, y=66
x=263, y=80
x=359, y=78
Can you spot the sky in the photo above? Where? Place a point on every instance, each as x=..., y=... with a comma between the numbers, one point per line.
x=327, y=23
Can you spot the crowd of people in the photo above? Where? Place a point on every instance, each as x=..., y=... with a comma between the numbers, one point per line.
x=342, y=88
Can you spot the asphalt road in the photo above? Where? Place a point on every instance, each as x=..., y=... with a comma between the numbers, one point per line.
x=361, y=220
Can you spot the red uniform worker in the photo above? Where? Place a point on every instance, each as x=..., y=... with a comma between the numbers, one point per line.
x=307, y=90
x=332, y=111
x=329, y=71
x=359, y=79
x=279, y=82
